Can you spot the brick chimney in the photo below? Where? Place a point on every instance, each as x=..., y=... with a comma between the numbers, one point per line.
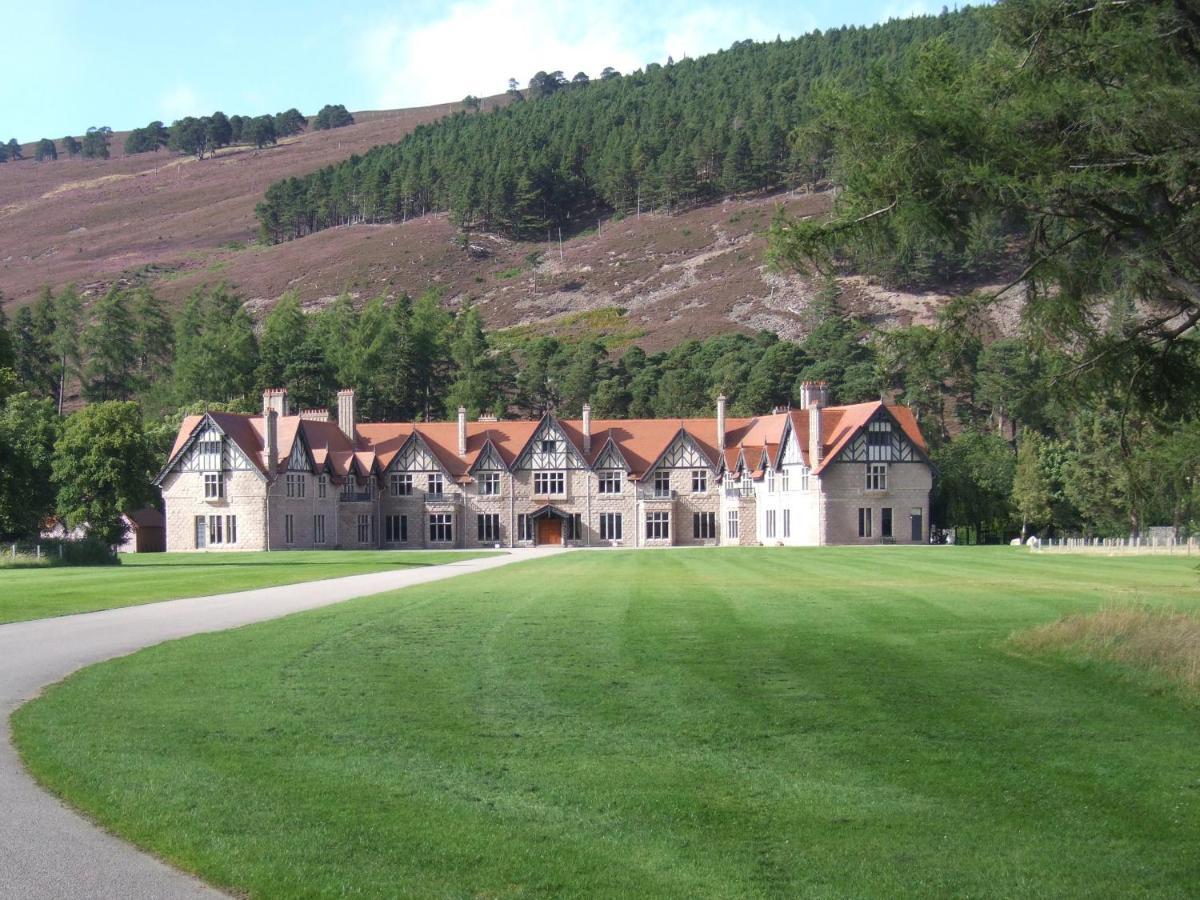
x=271, y=451
x=721, y=422
x=276, y=399
x=813, y=396
x=587, y=429
x=462, y=431
x=347, y=418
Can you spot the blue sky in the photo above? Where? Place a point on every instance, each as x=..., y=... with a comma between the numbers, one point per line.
x=72, y=64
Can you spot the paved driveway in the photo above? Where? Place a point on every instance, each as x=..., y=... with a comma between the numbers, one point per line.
x=48, y=851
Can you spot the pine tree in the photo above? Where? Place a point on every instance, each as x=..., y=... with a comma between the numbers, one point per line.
x=284, y=333
x=1031, y=490
x=67, y=311
x=475, y=384
x=110, y=371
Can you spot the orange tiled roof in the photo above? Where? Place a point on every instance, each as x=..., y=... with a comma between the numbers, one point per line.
x=641, y=441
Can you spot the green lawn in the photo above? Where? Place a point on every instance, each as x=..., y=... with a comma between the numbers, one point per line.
x=708, y=723
x=38, y=593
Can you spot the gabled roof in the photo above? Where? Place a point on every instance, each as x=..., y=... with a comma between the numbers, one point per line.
x=640, y=442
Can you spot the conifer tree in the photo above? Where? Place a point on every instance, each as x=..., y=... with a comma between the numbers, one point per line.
x=110, y=371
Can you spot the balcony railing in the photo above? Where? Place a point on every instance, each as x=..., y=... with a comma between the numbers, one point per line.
x=739, y=492
x=356, y=497
x=656, y=494
x=432, y=497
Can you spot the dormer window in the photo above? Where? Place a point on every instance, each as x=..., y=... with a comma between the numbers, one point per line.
x=549, y=446
x=770, y=482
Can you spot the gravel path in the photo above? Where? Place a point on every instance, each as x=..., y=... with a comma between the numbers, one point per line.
x=49, y=851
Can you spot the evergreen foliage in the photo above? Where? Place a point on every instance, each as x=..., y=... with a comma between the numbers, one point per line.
x=657, y=139
x=45, y=150
x=95, y=143
x=333, y=116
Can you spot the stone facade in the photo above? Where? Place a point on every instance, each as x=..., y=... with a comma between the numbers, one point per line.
x=302, y=482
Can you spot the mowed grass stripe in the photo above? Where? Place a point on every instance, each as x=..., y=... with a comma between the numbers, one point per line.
x=40, y=593
x=743, y=722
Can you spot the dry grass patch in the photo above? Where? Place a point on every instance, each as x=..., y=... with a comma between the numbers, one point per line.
x=1156, y=641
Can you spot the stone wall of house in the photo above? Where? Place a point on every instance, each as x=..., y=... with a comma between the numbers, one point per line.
x=844, y=493
x=183, y=502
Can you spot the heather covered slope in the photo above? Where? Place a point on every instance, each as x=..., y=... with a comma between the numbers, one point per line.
x=94, y=221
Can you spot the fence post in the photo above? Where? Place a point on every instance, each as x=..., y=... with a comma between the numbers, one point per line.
x=38, y=551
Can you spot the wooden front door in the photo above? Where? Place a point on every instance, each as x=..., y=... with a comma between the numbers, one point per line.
x=549, y=531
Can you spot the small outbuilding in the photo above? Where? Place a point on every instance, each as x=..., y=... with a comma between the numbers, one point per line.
x=147, y=532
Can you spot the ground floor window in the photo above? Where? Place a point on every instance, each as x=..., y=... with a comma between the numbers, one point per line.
x=658, y=526
x=366, y=529
x=610, y=526
x=441, y=528
x=395, y=529
x=318, y=529
x=289, y=529
x=216, y=530
x=864, y=522
x=524, y=527
x=704, y=525
x=574, y=527
x=489, y=527
x=731, y=524
x=770, y=524
x=787, y=523
x=885, y=522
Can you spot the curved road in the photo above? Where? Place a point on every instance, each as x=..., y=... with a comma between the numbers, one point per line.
x=49, y=851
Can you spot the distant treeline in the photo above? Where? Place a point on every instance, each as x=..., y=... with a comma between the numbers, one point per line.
x=565, y=149
x=193, y=136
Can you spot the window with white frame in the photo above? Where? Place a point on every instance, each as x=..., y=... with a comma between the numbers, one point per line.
x=804, y=478
x=769, y=529
x=699, y=481
x=704, y=525
x=209, y=452
x=441, y=528
x=747, y=483
x=214, y=486
x=295, y=486
x=221, y=529
x=770, y=482
x=489, y=484
x=877, y=476
x=289, y=529
x=489, y=527
x=662, y=484
x=787, y=523
x=731, y=524
x=610, y=481
x=400, y=484
x=549, y=446
x=395, y=529
x=784, y=480
x=366, y=529
x=610, y=526
x=322, y=486
x=549, y=483
x=524, y=527
x=879, y=439
x=436, y=485
x=318, y=529
x=864, y=522
x=574, y=527
x=658, y=526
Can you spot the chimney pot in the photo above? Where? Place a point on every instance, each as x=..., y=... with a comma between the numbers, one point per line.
x=276, y=399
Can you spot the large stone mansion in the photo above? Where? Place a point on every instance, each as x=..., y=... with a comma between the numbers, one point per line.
x=818, y=475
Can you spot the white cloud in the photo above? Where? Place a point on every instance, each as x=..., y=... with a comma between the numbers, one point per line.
x=178, y=102
x=477, y=45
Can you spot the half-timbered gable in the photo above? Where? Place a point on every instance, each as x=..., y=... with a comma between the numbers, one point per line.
x=549, y=448
x=881, y=440
x=489, y=460
x=300, y=460
x=611, y=458
x=211, y=450
x=682, y=453
x=793, y=453
x=416, y=456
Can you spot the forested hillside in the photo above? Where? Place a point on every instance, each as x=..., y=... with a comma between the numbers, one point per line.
x=564, y=150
